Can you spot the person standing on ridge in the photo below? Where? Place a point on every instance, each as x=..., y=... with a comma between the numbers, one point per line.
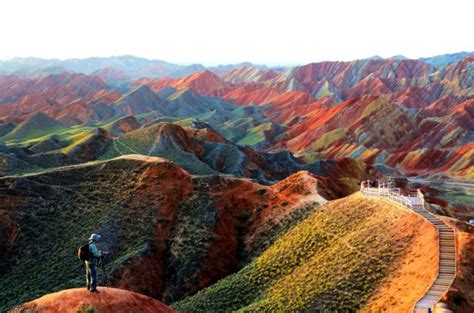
x=91, y=263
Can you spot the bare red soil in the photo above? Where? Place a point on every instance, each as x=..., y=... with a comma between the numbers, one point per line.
x=108, y=300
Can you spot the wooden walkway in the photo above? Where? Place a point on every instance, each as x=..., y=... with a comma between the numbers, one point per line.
x=446, y=237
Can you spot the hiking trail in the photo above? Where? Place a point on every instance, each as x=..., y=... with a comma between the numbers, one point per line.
x=416, y=203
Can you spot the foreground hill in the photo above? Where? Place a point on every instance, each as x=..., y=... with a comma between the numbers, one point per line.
x=109, y=300
x=169, y=233
x=351, y=254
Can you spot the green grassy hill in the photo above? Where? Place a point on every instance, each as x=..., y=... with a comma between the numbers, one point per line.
x=37, y=125
x=159, y=140
x=334, y=260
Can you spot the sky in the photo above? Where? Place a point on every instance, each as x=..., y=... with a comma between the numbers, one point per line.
x=214, y=32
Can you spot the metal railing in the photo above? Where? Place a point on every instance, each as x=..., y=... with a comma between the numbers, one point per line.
x=407, y=199
x=387, y=191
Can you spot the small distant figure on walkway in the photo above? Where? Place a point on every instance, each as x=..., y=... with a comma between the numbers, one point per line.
x=90, y=255
x=429, y=310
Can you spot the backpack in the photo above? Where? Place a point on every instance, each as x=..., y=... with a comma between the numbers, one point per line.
x=84, y=253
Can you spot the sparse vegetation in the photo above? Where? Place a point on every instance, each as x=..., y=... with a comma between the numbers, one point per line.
x=54, y=225
x=255, y=135
x=268, y=232
x=37, y=126
x=189, y=241
x=331, y=261
x=147, y=140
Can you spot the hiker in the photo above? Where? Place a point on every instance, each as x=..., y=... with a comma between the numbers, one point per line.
x=91, y=263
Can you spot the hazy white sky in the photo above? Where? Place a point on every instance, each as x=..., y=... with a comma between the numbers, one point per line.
x=219, y=31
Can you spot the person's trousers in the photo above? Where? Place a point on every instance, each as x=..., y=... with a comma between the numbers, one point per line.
x=91, y=276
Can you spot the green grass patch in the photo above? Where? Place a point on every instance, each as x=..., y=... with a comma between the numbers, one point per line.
x=60, y=214
x=331, y=261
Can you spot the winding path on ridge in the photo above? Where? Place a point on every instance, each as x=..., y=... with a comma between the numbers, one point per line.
x=446, y=243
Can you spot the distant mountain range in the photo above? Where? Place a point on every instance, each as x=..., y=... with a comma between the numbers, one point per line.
x=402, y=116
x=119, y=69
x=113, y=70
x=441, y=61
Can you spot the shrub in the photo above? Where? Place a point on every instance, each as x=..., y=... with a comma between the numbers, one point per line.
x=244, y=215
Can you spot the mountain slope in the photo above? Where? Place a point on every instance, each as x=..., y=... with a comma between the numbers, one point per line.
x=336, y=259
x=51, y=94
x=169, y=233
x=37, y=125
x=204, y=151
x=187, y=103
x=203, y=82
x=248, y=74
x=441, y=61
x=138, y=101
